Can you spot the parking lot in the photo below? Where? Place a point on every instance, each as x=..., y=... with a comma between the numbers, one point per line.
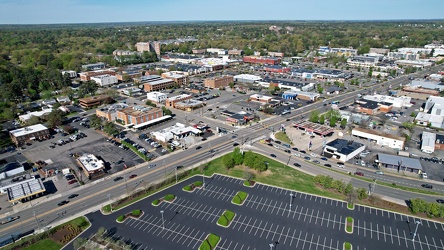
x=269, y=214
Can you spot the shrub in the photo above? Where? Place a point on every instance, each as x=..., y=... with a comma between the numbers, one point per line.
x=242, y=195
x=247, y=183
x=169, y=197
x=187, y=188
x=155, y=202
x=223, y=221
x=136, y=212
x=229, y=215
x=347, y=246
x=213, y=240
x=362, y=193
x=205, y=245
x=236, y=200
x=120, y=218
x=198, y=183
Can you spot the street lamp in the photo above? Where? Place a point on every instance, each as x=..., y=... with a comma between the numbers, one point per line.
x=163, y=222
x=417, y=222
x=271, y=246
x=291, y=199
x=36, y=221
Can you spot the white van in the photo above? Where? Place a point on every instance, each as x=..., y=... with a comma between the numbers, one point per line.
x=341, y=165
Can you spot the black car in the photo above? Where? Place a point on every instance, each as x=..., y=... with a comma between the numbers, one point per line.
x=295, y=149
x=277, y=142
x=327, y=165
x=235, y=144
x=323, y=158
x=273, y=155
x=440, y=201
x=303, y=151
x=63, y=203
x=287, y=151
x=118, y=178
x=269, y=144
x=429, y=186
x=73, y=196
x=198, y=147
x=307, y=158
x=297, y=165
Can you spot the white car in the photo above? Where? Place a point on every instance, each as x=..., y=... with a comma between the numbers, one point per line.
x=313, y=155
x=297, y=154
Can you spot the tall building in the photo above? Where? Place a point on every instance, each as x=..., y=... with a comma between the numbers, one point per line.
x=149, y=46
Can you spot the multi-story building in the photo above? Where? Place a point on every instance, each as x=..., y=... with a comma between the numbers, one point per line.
x=199, y=51
x=138, y=114
x=276, y=69
x=217, y=51
x=218, y=82
x=154, y=83
x=31, y=133
x=344, y=51
x=179, y=79
x=363, y=61
x=275, y=54
x=94, y=66
x=235, y=52
x=143, y=46
x=86, y=76
x=105, y=80
x=109, y=113
x=260, y=98
x=262, y=60
x=126, y=75
x=94, y=101
x=170, y=102
x=157, y=97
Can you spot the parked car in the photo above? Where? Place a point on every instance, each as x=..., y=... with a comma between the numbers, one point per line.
x=429, y=186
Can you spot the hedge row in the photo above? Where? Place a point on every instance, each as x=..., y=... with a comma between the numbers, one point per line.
x=432, y=209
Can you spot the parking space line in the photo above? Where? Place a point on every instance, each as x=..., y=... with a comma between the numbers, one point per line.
x=248, y=223
x=292, y=238
x=311, y=216
x=323, y=215
x=317, y=216
x=365, y=230
x=305, y=239
x=427, y=241
x=254, y=223
x=263, y=229
x=328, y=221
x=405, y=238
x=295, y=211
x=269, y=230
x=334, y=222
x=419, y=241
x=371, y=230
x=385, y=239
x=287, y=235
x=299, y=238
x=391, y=235
x=442, y=244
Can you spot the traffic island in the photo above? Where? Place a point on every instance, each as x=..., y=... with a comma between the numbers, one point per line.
x=249, y=183
x=210, y=242
x=239, y=198
x=349, y=225
x=167, y=198
x=347, y=246
x=351, y=206
x=226, y=218
x=134, y=214
x=190, y=188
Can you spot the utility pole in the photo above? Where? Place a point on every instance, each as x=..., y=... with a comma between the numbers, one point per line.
x=417, y=222
x=163, y=222
x=36, y=221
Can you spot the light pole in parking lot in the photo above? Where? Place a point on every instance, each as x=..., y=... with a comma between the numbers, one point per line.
x=417, y=222
x=163, y=222
x=271, y=246
x=291, y=199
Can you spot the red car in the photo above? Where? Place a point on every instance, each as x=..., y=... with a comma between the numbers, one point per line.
x=132, y=176
x=359, y=173
x=72, y=182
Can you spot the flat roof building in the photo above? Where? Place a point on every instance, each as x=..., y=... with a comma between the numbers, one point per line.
x=218, y=82
x=399, y=162
x=343, y=150
x=157, y=97
x=154, y=83
x=428, y=142
x=109, y=112
x=138, y=114
x=91, y=165
x=94, y=66
x=170, y=102
x=246, y=78
x=383, y=139
x=30, y=133
x=94, y=101
x=25, y=190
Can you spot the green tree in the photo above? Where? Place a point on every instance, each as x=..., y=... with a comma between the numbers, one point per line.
x=55, y=118
x=314, y=116
x=333, y=120
x=238, y=157
x=259, y=164
x=228, y=161
x=362, y=193
x=348, y=189
x=231, y=84
x=249, y=158
x=343, y=123
x=95, y=121
x=322, y=119
x=320, y=89
x=166, y=111
x=33, y=120
x=150, y=103
x=88, y=88
x=110, y=128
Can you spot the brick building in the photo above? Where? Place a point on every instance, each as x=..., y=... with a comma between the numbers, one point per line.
x=262, y=60
x=217, y=82
x=170, y=102
x=154, y=83
x=31, y=133
x=179, y=79
x=138, y=114
x=94, y=101
x=86, y=76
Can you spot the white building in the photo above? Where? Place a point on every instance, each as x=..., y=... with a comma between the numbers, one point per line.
x=398, y=102
x=428, y=142
x=247, y=78
x=343, y=150
x=91, y=165
x=105, y=80
x=427, y=85
x=71, y=73
x=26, y=117
x=217, y=51
x=363, y=61
x=383, y=139
x=414, y=63
x=157, y=97
x=10, y=169
x=132, y=91
x=176, y=132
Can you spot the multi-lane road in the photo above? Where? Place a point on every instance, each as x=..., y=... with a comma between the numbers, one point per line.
x=45, y=211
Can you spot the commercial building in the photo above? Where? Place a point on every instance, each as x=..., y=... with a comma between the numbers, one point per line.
x=199, y=51
x=380, y=138
x=235, y=52
x=11, y=169
x=91, y=165
x=25, y=190
x=105, y=80
x=109, y=112
x=188, y=105
x=363, y=61
x=431, y=85
x=71, y=73
x=179, y=79
x=262, y=60
x=415, y=63
x=428, y=142
x=126, y=75
x=379, y=51
x=176, y=132
x=154, y=83
x=86, y=76
x=344, y=51
x=35, y=132
x=260, y=98
x=217, y=51
x=397, y=102
x=175, y=58
x=275, y=54
x=372, y=107
x=311, y=127
x=218, y=82
x=276, y=69
x=157, y=97
x=303, y=95
x=239, y=119
x=94, y=66
x=28, y=116
x=94, y=101
x=138, y=114
x=400, y=163
x=343, y=150
x=246, y=78
x=171, y=102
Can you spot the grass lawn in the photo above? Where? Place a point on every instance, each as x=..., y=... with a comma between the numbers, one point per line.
x=281, y=136
x=349, y=224
x=45, y=244
x=169, y=197
x=213, y=240
x=187, y=188
x=226, y=218
x=277, y=175
x=347, y=246
x=198, y=183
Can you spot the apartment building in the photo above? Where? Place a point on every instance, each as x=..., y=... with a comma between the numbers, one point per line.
x=94, y=101
x=218, y=82
x=138, y=114
x=154, y=83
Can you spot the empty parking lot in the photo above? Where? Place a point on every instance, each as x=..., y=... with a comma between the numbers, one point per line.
x=269, y=215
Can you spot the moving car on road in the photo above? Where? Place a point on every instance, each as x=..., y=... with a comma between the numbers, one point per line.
x=118, y=178
x=429, y=186
x=73, y=196
x=359, y=173
x=63, y=203
x=297, y=165
x=132, y=176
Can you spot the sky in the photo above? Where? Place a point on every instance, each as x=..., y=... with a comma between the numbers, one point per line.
x=99, y=11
